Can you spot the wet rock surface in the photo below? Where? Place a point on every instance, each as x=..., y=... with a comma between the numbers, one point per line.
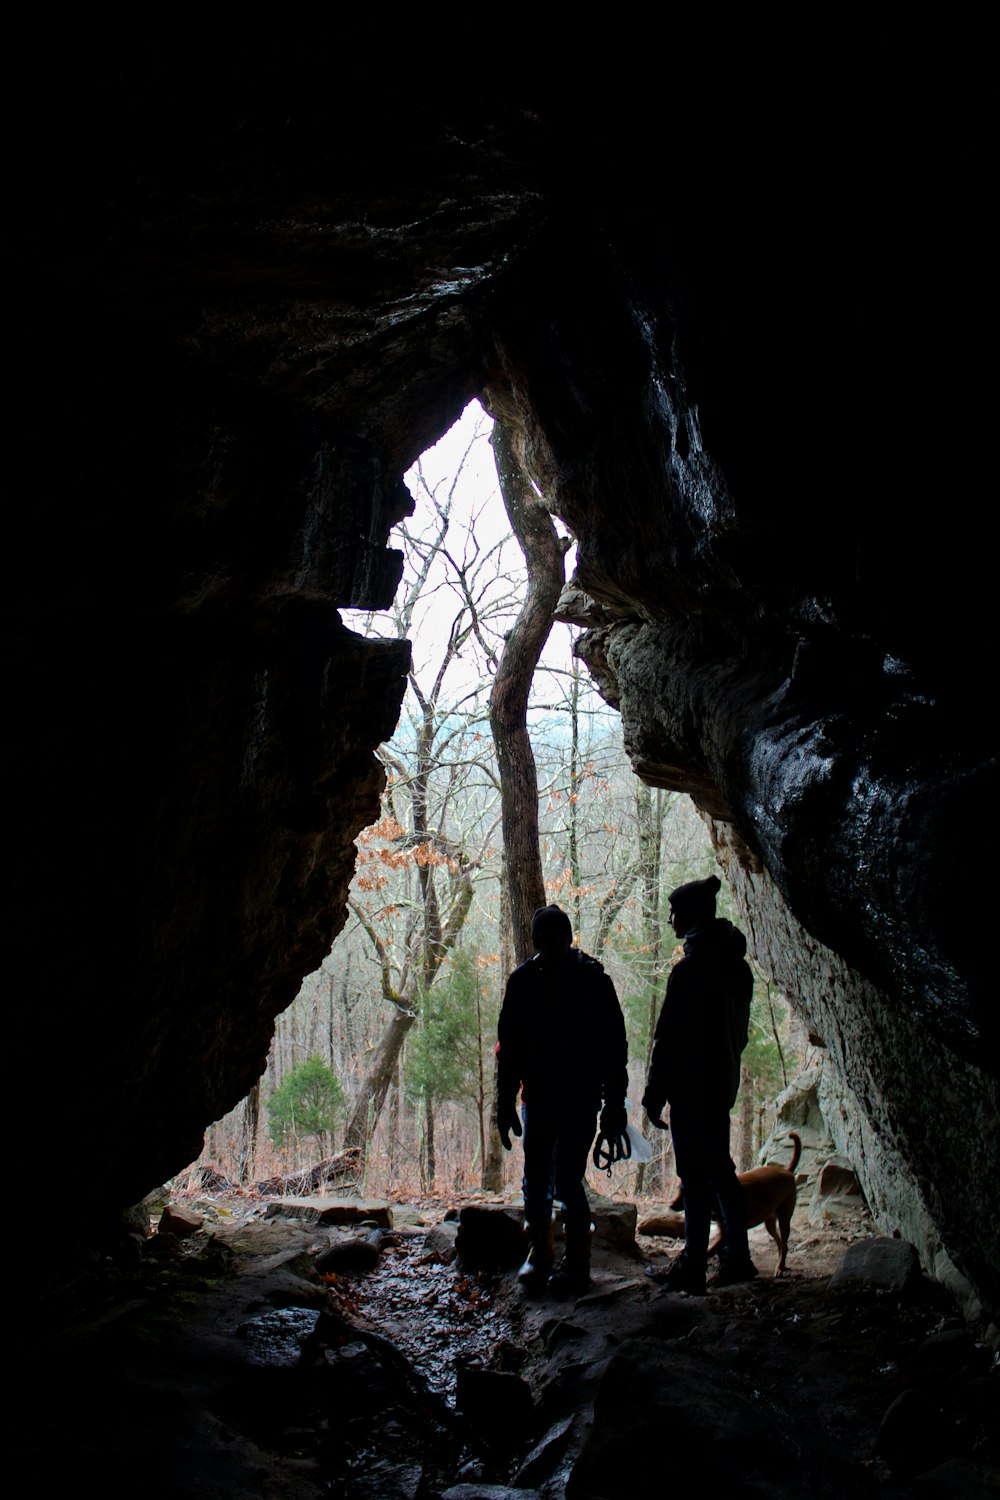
x=246, y=1372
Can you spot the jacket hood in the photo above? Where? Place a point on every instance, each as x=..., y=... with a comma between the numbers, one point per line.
x=717, y=940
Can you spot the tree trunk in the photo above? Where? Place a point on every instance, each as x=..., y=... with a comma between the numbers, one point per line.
x=429, y=1151
x=248, y=1135
x=543, y=556
x=393, y=1127
x=371, y=1097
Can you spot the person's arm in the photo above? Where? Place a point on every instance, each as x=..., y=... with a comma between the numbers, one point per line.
x=668, y=1046
x=508, y=1070
x=614, y=1086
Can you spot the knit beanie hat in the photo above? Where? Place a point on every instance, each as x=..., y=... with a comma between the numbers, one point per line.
x=696, y=899
x=550, y=922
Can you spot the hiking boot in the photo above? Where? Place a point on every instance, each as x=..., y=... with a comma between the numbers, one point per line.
x=682, y=1276
x=535, y=1272
x=573, y=1276
x=733, y=1272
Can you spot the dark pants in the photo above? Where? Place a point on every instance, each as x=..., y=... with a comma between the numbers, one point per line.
x=556, y=1148
x=707, y=1173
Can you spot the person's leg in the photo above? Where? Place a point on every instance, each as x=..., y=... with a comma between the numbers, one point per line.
x=537, y=1185
x=687, y=1128
x=736, y=1264
x=576, y=1136
x=572, y=1151
x=538, y=1181
x=687, y=1274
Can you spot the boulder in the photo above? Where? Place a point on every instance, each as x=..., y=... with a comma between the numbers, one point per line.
x=332, y=1210
x=669, y=1225
x=358, y=1253
x=491, y=1239
x=889, y=1264
x=498, y=1405
x=179, y=1222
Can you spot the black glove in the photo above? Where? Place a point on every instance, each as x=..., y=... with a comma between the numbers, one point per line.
x=508, y=1120
x=612, y=1142
x=653, y=1105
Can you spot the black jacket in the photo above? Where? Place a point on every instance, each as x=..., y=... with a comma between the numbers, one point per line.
x=562, y=1036
x=704, y=1023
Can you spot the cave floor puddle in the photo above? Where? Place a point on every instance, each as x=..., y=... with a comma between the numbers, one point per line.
x=435, y=1313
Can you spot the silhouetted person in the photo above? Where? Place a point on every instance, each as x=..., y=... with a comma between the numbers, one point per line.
x=561, y=1041
x=700, y=1037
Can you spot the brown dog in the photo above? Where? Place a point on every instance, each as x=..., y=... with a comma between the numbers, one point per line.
x=769, y=1199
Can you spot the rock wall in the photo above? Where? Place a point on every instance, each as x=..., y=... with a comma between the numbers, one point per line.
x=904, y=1141
x=252, y=298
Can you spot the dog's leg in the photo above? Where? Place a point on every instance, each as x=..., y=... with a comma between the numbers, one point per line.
x=771, y=1225
x=785, y=1226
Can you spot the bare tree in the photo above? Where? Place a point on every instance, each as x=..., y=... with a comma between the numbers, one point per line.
x=544, y=553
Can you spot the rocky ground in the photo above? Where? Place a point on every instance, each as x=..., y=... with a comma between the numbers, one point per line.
x=283, y=1357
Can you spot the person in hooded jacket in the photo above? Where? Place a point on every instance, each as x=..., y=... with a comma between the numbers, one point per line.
x=562, y=1046
x=695, y=1067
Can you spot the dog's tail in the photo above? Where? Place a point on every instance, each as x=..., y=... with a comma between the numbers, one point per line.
x=796, y=1151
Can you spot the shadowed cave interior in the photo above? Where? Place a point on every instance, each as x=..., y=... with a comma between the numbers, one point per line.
x=723, y=376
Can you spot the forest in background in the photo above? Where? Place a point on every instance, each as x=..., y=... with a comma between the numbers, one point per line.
x=389, y=1045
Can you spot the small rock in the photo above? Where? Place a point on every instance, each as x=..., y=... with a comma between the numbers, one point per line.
x=180, y=1222
x=887, y=1263
x=544, y=1456
x=946, y=1355
x=499, y=1406
x=559, y=1331
x=441, y=1239
x=276, y=1340
x=404, y=1215
x=508, y=1356
x=912, y=1434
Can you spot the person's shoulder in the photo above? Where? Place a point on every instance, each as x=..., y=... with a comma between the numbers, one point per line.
x=592, y=972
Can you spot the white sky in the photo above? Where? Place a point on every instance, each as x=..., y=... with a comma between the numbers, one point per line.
x=477, y=495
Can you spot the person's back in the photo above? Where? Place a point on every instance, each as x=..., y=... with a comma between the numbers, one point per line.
x=703, y=1025
x=562, y=1045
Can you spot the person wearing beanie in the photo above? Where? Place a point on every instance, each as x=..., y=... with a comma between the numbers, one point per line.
x=562, y=1046
x=695, y=1067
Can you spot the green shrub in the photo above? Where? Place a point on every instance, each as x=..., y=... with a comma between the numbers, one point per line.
x=308, y=1101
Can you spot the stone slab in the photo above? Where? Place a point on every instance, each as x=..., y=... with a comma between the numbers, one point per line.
x=332, y=1210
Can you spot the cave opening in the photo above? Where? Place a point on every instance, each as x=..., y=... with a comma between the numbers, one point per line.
x=463, y=580
x=723, y=364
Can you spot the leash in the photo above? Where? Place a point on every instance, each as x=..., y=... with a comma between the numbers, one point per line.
x=609, y=1149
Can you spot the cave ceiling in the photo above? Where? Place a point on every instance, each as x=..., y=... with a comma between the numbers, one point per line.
x=738, y=365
